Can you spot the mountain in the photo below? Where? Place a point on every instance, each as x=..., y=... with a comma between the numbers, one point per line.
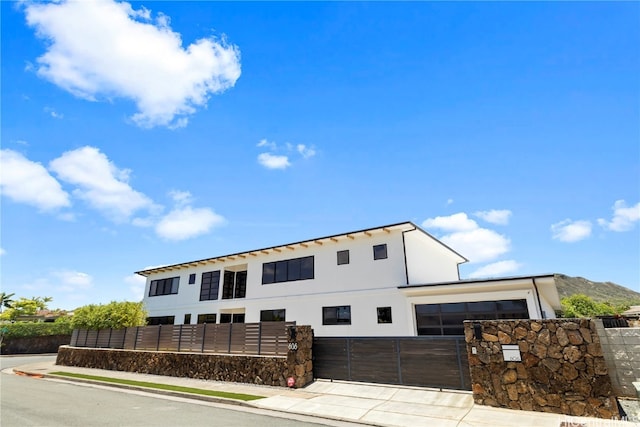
x=598, y=291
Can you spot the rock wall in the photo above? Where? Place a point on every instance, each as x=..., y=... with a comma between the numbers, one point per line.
x=621, y=351
x=266, y=370
x=34, y=345
x=562, y=369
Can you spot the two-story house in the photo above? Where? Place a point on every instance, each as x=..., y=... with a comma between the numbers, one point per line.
x=394, y=280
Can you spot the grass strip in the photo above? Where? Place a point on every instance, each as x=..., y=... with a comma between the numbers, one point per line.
x=227, y=395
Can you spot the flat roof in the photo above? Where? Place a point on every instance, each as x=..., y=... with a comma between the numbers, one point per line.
x=401, y=226
x=484, y=280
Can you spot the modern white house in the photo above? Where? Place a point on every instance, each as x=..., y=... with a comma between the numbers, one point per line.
x=393, y=280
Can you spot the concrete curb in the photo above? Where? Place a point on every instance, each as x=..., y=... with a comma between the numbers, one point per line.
x=187, y=395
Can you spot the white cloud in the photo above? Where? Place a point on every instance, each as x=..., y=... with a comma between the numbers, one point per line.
x=466, y=237
x=272, y=161
x=571, y=231
x=101, y=183
x=449, y=202
x=181, y=198
x=53, y=113
x=624, y=218
x=455, y=222
x=494, y=216
x=496, y=269
x=136, y=284
x=264, y=143
x=29, y=182
x=2, y=252
x=305, y=151
x=71, y=281
x=106, y=49
x=186, y=222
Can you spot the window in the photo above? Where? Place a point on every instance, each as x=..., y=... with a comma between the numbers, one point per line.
x=447, y=319
x=232, y=318
x=272, y=315
x=192, y=278
x=380, y=251
x=187, y=319
x=164, y=286
x=340, y=315
x=207, y=318
x=343, y=257
x=288, y=270
x=234, y=285
x=384, y=315
x=210, y=285
x=161, y=320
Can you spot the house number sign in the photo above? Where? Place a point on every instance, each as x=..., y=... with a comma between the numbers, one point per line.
x=293, y=346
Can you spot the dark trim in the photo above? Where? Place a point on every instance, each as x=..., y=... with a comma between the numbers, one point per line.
x=404, y=253
x=533, y=280
x=467, y=281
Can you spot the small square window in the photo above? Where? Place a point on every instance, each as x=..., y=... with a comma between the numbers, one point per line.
x=380, y=251
x=192, y=278
x=343, y=257
x=384, y=315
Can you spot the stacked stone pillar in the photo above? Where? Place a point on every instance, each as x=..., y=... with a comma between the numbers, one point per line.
x=561, y=367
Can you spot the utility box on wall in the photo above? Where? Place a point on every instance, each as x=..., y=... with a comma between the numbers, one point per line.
x=511, y=353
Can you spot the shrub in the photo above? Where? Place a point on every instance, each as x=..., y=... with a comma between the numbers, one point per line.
x=35, y=329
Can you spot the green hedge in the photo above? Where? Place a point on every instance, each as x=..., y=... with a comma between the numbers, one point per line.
x=32, y=329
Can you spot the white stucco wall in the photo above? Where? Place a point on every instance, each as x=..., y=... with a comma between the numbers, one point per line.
x=427, y=262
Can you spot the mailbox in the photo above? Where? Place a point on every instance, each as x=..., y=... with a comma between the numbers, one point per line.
x=511, y=353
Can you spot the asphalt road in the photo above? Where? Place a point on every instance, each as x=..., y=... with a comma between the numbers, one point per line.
x=27, y=401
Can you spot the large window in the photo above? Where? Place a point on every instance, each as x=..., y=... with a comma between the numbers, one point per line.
x=161, y=320
x=207, y=318
x=234, y=285
x=210, y=285
x=380, y=251
x=164, y=286
x=272, y=315
x=340, y=315
x=288, y=270
x=447, y=319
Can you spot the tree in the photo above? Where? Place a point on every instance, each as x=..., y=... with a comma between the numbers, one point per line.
x=114, y=315
x=5, y=300
x=25, y=307
x=580, y=305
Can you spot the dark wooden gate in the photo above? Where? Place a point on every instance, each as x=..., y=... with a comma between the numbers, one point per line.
x=439, y=362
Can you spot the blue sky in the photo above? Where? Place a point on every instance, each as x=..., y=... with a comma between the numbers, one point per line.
x=150, y=133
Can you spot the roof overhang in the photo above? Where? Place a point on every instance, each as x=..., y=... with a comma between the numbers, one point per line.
x=542, y=284
x=288, y=247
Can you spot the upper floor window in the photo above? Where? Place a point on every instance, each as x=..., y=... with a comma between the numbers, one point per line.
x=384, y=314
x=343, y=257
x=164, y=286
x=340, y=315
x=192, y=278
x=287, y=270
x=210, y=285
x=380, y=251
x=234, y=285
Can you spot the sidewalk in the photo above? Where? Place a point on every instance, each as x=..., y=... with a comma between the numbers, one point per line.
x=369, y=404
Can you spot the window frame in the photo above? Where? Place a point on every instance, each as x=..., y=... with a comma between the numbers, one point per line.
x=276, y=315
x=383, y=313
x=380, y=252
x=170, y=286
x=343, y=257
x=202, y=318
x=335, y=315
x=288, y=270
x=192, y=278
x=211, y=293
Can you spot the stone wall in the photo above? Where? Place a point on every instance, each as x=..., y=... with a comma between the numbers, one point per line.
x=621, y=351
x=266, y=370
x=34, y=345
x=562, y=369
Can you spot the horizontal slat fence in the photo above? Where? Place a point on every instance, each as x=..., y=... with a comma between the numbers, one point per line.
x=264, y=338
x=439, y=362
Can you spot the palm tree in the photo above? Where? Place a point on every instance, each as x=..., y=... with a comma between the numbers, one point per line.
x=5, y=300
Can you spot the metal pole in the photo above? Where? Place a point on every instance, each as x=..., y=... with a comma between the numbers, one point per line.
x=204, y=334
x=460, y=364
x=158, y=341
